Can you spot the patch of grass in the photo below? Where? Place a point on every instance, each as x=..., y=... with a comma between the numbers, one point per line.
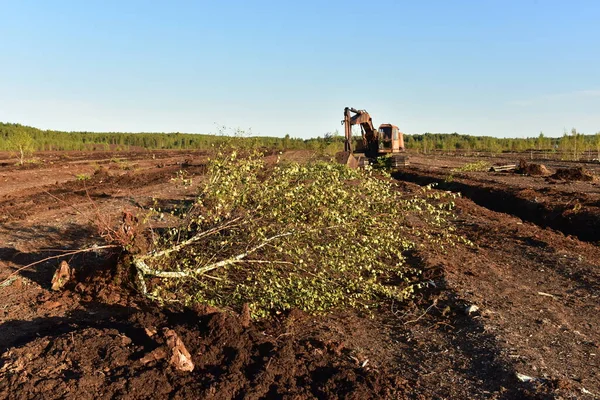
x=121, y=163
x=33, y=160
x=82, y=177
x=473, y=167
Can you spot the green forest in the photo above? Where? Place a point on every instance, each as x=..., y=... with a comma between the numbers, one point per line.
x=573, y=142
x=25, y=139
x=49, y=140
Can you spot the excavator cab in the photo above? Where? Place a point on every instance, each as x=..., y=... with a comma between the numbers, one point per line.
x=391, y=140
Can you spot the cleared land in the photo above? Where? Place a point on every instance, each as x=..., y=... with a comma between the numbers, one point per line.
x=533, y=273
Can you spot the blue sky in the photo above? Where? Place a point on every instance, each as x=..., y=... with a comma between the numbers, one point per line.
x=498, y=68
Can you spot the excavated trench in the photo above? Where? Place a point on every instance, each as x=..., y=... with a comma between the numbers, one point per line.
x=584, y=224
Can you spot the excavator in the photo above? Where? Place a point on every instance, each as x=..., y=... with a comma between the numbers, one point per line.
x=385, y=141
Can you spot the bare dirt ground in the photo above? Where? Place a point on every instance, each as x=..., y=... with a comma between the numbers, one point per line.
x=568, y=205
x=532, y=273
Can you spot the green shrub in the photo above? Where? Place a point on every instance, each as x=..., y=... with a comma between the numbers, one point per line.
x=82, y=177
x=473, y=167
x=314, y=236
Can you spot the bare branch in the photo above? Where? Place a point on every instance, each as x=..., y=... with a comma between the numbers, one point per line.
x=70, y=253
x=422, y=315
x=141, y=265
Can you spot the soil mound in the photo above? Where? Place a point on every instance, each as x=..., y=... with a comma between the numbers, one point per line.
x=532, y=169
x=574, y=174
x=120, y=360
x=101, y=174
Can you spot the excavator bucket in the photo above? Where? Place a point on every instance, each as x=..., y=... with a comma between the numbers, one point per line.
x=347, y=158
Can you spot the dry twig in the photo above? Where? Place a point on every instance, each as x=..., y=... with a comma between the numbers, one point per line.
x=422, y=315
x=93, y=248
x=143, y=268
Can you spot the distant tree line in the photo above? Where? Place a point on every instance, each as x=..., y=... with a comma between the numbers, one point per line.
x=23, y=139
x=50, y=140
x=571, y=145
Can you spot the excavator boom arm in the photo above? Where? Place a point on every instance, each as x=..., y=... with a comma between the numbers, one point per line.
x=362, y=118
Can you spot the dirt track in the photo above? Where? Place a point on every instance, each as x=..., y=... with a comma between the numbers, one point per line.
x=535, y=288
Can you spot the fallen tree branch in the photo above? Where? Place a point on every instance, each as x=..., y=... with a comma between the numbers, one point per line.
x=191, y=240
x=144, y=269
x=268, y=262
x=64, y=202
x=422, y=315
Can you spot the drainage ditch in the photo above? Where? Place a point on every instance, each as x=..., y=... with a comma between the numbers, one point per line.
x=584, y=225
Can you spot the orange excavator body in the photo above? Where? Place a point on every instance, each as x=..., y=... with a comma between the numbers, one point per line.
x=375, y=142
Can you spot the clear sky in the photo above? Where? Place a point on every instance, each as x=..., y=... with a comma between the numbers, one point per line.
x=508, y=68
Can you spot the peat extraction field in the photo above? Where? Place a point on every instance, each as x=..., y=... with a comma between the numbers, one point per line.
x=493, y=294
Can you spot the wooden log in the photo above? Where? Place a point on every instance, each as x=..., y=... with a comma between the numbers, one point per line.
x=507, y=167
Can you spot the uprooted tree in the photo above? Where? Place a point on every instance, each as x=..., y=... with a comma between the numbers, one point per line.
x=311, y=236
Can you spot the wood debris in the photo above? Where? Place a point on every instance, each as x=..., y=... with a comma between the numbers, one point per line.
x=180, y=357
x=62, y=276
